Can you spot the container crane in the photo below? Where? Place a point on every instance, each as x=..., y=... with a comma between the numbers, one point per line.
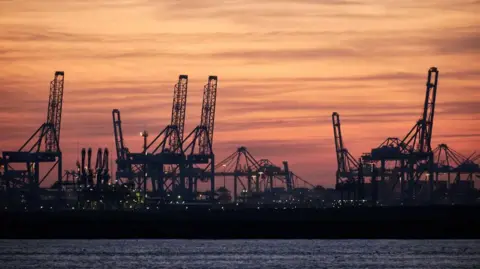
x=31, y=154
x=127, y=171
x=200, y=155
x=347, y=174
x=164, y=156
x=255, y=175
x=413, y=152
x=450, y=162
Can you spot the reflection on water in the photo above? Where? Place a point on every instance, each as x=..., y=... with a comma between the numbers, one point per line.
x=289, y=254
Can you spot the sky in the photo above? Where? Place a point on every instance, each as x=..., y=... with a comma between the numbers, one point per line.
x=283, y=67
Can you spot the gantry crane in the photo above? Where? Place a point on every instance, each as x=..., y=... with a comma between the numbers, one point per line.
x=93, y=184
x=164, y=157
x=127, y=171
x=255, y=175
x=199, y=143
x=32, y=153
x=348, y=178
x=411, y=156
x=169, y=140
x=449, y=162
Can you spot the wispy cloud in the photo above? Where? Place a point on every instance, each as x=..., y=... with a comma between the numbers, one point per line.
x=284, y=66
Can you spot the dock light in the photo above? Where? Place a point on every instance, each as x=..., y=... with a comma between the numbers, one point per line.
x=179, y=197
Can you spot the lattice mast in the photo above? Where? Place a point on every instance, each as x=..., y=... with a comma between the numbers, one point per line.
x=337, y=134
x=118, y=132
x=420, y=136
x=201, y=143
x=429, y=111
x=208, y=116
x=346, y=163
x=178, y=114
x=54, y=113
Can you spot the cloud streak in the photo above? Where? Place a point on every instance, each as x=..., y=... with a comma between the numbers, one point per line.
x=284, y=66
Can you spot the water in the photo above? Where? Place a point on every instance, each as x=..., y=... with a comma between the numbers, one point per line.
x=289, y=254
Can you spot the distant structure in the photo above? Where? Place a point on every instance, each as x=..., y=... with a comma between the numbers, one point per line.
x=460, y=171
x=22, y=175
x=260, y=180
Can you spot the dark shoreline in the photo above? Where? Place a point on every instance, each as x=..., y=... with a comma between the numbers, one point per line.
x=420, y=222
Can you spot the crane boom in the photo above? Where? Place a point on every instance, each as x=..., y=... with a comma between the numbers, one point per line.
x=105, y=164
x=178, y=113
x=337, y=134
x=420, y=136
x=117, y=128
x=349, y=176
x=428, y=111
x=208, y=115
x=54, y=113
x=99, y=161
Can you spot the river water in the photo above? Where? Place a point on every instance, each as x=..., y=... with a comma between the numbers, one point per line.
x=289, y=254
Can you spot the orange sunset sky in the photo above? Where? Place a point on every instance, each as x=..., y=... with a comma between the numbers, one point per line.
x=283, y=66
